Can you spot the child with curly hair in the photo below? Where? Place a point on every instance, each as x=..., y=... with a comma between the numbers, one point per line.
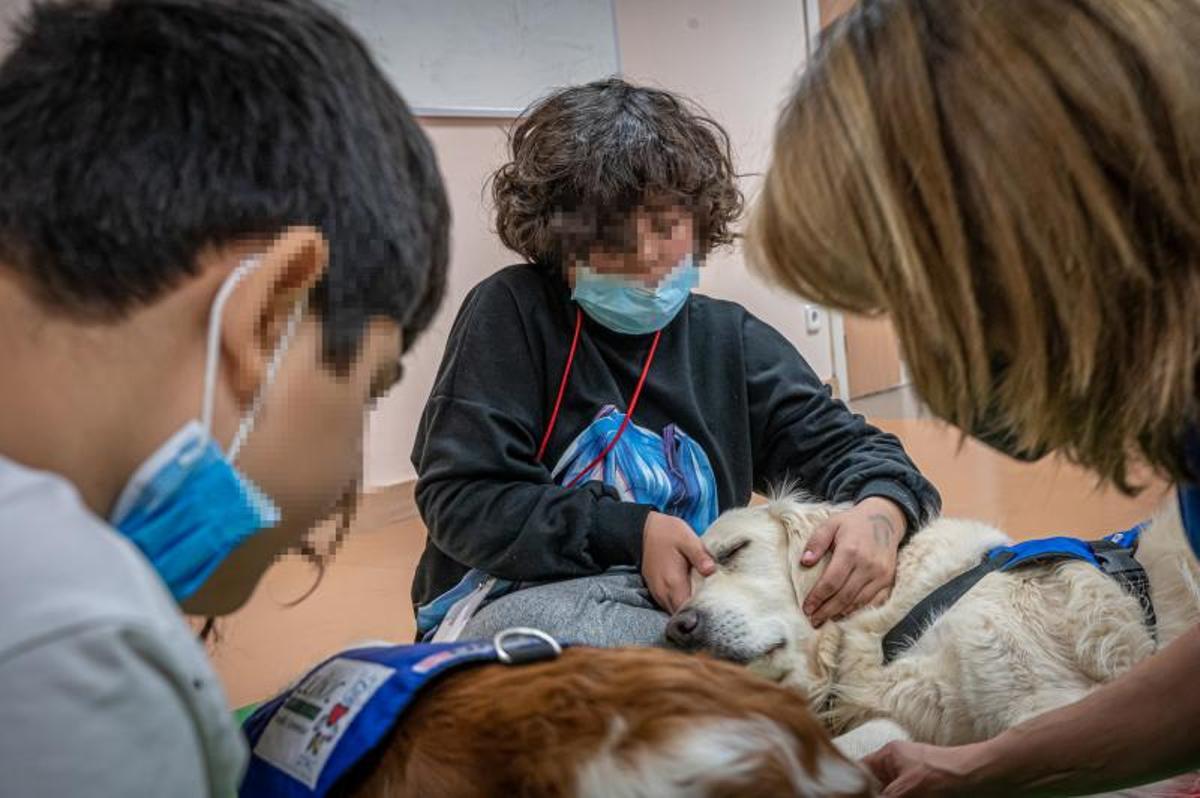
x=593, y=415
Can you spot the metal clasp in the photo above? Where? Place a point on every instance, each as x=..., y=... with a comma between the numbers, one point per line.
x=509, y=656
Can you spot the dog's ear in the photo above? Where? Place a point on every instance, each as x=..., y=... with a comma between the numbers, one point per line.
x=798, y=521
x=797, y=536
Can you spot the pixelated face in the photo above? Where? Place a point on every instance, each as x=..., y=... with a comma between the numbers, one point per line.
x=305, y=451
x=655, y=240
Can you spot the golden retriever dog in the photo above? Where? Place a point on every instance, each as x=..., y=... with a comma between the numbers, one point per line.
x=1017, y=644
x=619, y=723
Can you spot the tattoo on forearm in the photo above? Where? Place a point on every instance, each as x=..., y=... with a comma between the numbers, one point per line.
x=884, y=531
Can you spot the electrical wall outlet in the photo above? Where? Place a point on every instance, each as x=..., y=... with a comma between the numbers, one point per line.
x=813, y=319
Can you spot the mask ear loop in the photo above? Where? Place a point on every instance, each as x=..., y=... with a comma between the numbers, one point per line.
x=213, y=348
x=251, y=415
x=213, y=352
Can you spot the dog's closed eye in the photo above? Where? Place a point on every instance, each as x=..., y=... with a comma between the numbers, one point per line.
x=726, y=557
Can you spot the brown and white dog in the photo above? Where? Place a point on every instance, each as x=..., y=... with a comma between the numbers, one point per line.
x=622, y=723
x=1017, y=644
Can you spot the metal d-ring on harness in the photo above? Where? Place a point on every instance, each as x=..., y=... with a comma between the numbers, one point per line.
x=1113, y=555
x=549, y=648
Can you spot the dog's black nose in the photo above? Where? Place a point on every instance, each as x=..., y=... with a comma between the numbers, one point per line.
x=686, y=628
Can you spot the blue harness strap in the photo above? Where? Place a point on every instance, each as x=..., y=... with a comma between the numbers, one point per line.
x=1044, y=550
x=306, y=739
x=1113, y=555
x=1189, y=491
x=1189, y=512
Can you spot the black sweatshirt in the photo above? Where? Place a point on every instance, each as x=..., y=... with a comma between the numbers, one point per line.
x=728, y=380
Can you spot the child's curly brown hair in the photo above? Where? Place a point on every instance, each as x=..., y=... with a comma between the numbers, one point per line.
x=586, y=156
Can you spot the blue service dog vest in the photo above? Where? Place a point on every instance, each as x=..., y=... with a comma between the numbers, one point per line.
x=306, y=739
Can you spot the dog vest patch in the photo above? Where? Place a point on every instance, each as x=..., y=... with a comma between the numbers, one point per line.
x=306, y=739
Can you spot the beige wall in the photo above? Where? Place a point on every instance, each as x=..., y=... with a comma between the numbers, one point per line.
x=468, y=150
x=737, y=60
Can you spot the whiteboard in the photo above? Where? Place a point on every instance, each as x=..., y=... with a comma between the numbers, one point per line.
x=485, y=57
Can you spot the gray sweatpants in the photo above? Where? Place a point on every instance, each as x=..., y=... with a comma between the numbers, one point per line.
x=609, y=610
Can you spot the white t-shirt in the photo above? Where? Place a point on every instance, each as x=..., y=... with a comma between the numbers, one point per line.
x=104, y=690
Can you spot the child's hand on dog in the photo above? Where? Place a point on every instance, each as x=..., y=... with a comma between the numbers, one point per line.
x=670, y=549
x=864, y=541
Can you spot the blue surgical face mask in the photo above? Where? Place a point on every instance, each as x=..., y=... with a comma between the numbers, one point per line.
x=187, y=507
x=630, y=307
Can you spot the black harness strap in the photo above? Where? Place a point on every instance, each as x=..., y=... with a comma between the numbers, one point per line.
x=902, y=636
x=1115, y=560
x=1120, y=563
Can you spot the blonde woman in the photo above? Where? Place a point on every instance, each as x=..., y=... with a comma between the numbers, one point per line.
x=1016, y=183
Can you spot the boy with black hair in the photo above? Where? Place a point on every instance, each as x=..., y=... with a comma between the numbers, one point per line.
x=220, y=227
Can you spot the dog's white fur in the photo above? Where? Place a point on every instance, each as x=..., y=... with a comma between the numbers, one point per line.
x=723, y=750
x=869, y=738
x=1016, y=645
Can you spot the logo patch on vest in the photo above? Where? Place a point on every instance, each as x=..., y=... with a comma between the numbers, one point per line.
x=305, y=731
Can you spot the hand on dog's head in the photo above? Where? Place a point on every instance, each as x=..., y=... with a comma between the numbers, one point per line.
x=749, y=609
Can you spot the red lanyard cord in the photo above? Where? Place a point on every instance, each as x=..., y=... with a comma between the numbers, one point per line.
x=562, y=387
x=637, y=393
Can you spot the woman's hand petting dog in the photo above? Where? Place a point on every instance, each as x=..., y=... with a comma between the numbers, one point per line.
x=864, y=540
x=915, y=770
x=670, y=549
